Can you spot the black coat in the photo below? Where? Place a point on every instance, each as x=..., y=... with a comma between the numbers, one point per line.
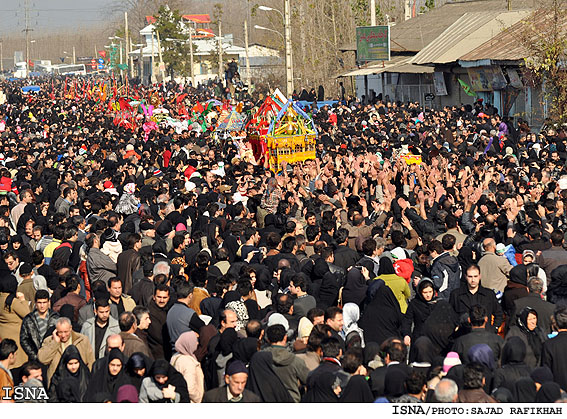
x=382, y=317
x=345, y=257
x=477, y=336
x=378, y=377
x=462, y=301
x=555, y=357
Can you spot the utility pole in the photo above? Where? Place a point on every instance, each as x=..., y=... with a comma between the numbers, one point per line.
x=152, y=61
x=129, y=59
x=373, y=12
x=161, y=64
x=191, y=56
x=1, y=56
x=74, y=56
x=288, y=52
x=121, y=62
x=220, y=48
x=247, y=57
x=27, y=30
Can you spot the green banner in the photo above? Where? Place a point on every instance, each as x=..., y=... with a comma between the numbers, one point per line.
x=467, y=88
x=372, y=43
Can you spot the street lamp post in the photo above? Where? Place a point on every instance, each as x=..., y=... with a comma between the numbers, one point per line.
x=287, y=40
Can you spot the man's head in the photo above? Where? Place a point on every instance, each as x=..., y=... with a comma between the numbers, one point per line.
x=331, y=347
x=161, y=295
x=184, y=292
x=127, y=322
x=396, y=351
x=102, y=310
x=334, y=318
x=276, y=335
x=446, y=391
x=228, y=320
x=143, y=319
x=11, y=260
x=489, y=245
x=297, y=285
x=115, y=287
x=63, y=328
x=42, y=301
x=236, y=377
x=114, y=341
x=8, y=348
x=535, y=285
x=31, y=369
x=316, y=316
x=473, y=277
x=560, y=317
x=477, y=316
x=473, y=376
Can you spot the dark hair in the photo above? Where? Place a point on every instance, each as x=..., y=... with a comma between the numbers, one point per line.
x=415, y=382
x=315, y=312
x=162, y=287
x=184, y=289
x=139, y=311
x=435, y=246
x=288, y=244
x=451, y=221
x=448, y=241
x=28, y=367
x=126, y=320
x=396, y=350
x=112, y=280
x=37, y=258
x=284, y=303
x=7, y=347
x=368, y=246
x=72, y=283
x=560, y=316
x=178, y=240
x=244, y=287
x=318, y=333
x=331, y=347
x=275, y=333
x=341, y=235
x=132, y=239
x=311, y=232
x=41, y=295
x=326, y=252
x=473, y=266
x=101, y=302
x=473, y=374
x=299, y=282
x=557, y=237
x=331, y=312
x=351, y=361
x=477, y=315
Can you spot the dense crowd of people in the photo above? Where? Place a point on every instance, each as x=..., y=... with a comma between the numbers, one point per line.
x=419, y=258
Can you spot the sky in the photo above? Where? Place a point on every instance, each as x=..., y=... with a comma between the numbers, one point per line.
x=52, y=15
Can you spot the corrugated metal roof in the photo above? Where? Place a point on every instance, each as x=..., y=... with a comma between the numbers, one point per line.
x=468, y=32
x=396, y=65
x=416, y=33
x=506, y=45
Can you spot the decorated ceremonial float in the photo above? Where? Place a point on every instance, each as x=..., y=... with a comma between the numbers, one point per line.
x=231, y=124
x=291, y=137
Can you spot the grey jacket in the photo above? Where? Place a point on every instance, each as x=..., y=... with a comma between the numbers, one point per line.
x=149, y=392
x=291, y=370
x=100, y=266
x=88, y=330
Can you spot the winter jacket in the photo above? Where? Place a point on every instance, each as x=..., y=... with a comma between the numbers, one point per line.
x=446, y=274
x=494, y=271
x=30, y=340
x=399, y=287
x=290, y=369
x=191, y=370
x=100, y=266
x=51, y=351
x=345, y=257
x=88, y=330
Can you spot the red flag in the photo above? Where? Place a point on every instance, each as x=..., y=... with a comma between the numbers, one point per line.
x=124, y=105
x=102, y=53
x=30, y=62
x=198, y=108
x=181, y=97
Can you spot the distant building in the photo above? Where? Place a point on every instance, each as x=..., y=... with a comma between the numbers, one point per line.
x=205, y=51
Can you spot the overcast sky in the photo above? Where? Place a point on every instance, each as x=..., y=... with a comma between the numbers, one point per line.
x=52, y=14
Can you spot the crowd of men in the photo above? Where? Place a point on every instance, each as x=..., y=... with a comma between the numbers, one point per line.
x=419, y=258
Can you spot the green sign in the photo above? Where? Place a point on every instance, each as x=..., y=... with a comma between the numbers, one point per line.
x=372, y=43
